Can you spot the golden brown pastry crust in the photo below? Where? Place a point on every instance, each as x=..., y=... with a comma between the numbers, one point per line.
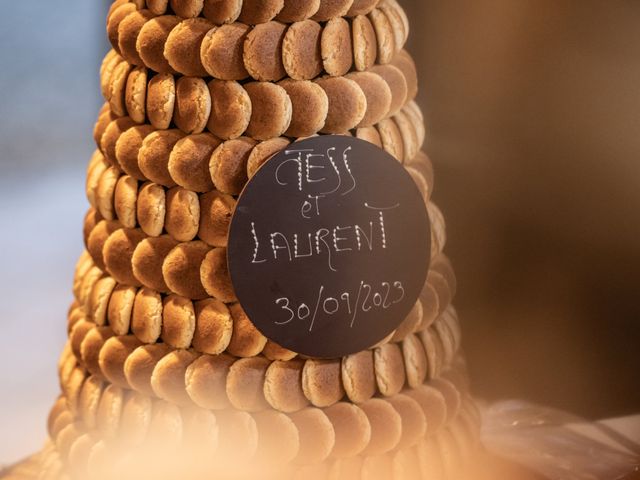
x=336, y=47
x=301, y=50
x=183, y=45
x=222, y=51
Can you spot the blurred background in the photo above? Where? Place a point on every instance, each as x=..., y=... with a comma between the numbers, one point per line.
x=533, y=113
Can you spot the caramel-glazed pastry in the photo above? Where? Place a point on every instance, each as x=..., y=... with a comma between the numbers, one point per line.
x=433, y=351
x=422, y=164
x=109, y=412
x=77, y=334
x=91, y=220
x=438, y=232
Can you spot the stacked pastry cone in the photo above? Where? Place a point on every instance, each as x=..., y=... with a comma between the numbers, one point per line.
x=164, y=375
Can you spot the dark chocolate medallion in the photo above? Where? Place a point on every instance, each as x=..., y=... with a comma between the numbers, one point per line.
x=329, y=246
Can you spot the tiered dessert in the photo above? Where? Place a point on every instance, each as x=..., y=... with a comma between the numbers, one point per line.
x=164, y=374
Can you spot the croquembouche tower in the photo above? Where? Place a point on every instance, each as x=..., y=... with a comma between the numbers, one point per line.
x=235, y=316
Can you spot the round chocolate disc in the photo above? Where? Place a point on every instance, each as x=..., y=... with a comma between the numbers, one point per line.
x=329, y=246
